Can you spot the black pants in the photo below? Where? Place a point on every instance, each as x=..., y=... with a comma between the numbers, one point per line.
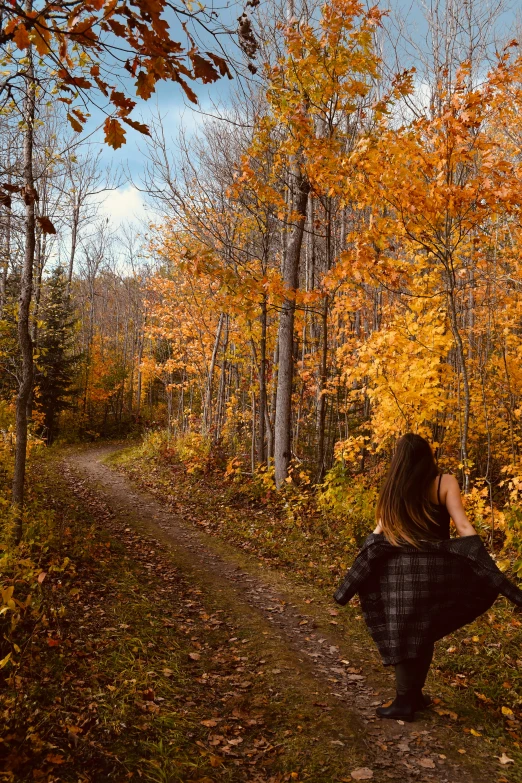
x=410, y=675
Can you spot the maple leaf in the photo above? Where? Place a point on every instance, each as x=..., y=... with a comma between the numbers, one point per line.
x=114, y=133
x=46, y=225
x=21, y=37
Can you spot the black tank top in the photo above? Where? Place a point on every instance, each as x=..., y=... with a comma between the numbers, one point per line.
x=440, y=529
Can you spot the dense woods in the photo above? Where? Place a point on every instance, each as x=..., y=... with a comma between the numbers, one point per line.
x=329, y=259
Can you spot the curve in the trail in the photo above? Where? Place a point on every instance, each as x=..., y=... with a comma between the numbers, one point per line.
x=419, y=751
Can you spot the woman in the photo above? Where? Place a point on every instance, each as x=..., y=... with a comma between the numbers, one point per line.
x=416, y=584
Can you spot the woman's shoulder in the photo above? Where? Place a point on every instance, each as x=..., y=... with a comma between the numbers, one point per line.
x=442, y=484
x=447, y=480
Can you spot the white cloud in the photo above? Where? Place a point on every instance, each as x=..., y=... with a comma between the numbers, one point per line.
x=123, y=205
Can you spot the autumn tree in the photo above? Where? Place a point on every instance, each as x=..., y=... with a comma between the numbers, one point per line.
x=441, y=191
x=73, y=52
x=314, y=95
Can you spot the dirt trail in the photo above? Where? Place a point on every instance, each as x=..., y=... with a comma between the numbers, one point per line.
x=426, y=750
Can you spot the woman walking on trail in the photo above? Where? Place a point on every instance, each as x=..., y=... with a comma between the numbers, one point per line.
x=415, y=583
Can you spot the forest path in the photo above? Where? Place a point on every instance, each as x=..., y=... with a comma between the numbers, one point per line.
x=348, y=683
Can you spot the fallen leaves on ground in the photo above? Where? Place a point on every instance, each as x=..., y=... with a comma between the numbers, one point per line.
x=363, y=773
x=113, y=669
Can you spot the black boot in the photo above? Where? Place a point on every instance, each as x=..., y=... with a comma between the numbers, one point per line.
x=402, y=708
x=422, y=701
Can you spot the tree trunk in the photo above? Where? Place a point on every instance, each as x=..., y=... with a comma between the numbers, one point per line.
x=459, y=347
x=207, y=411
x=139, y=382
x=6, y=255
x=222, y=391
x=74, y=242
x=323, y=372
x=26, y=287
x=261, y=444
x=321, y=402
x=283, y=419
x=273, y=401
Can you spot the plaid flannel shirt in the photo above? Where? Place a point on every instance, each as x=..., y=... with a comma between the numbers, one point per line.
x=411, y=597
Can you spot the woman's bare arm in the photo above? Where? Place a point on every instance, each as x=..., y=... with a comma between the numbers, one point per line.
x=453, y=500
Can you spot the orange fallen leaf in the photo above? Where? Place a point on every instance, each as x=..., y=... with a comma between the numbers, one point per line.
x=53, y=758
x=449, y=713
x=362, y=773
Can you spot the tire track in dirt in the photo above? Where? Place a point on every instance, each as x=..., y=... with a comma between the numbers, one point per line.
x=397, y=751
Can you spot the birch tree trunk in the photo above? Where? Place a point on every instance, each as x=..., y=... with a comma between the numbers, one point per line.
x=26, y=288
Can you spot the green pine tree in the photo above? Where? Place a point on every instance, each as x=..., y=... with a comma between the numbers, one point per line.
x=56, y=362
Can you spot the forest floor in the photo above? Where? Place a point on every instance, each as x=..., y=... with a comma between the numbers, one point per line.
x=175, y=656
x=307, y=668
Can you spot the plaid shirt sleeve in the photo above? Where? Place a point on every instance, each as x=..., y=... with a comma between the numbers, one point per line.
x=358, y=573
x=473, y=548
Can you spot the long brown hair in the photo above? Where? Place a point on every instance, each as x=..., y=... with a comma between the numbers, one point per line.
x=404, y=509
